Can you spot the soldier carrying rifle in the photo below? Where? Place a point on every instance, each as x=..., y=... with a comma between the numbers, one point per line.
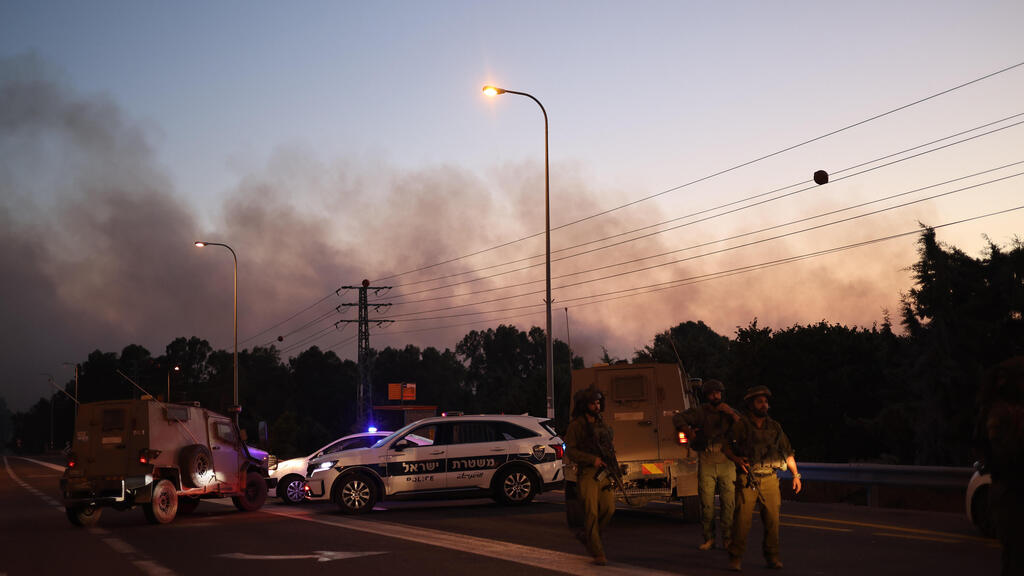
x=586, y=440
x=759, y=447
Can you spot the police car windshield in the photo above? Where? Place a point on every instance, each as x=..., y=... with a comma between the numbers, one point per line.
x=396, y=434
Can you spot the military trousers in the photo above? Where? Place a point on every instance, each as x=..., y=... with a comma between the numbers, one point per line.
x=715, y=471
x=746, y=501
x=598, y=507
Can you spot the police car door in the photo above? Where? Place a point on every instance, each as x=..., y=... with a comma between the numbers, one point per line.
x=415, y=462
x=475, y=452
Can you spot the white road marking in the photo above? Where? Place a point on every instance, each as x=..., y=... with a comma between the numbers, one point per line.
x=508, y=551
x=319, y=556
x=49, y=501
x=41, y=463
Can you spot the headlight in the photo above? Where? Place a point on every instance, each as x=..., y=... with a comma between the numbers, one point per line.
x=326, y=465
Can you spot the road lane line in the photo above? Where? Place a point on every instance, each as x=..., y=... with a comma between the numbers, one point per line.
x=891, y=527
x=501, y=550
x=794, y=524
x=917, y=537
x=49, y=501
x=41, y=463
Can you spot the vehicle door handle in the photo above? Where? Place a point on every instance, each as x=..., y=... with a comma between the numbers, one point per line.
x=497, y=449
x=645, y=423
x=437, y=452
x=215, y=448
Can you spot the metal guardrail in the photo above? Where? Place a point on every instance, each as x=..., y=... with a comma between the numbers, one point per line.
x=932, y=476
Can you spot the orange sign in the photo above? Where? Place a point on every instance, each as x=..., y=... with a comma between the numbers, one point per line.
x=402, y=391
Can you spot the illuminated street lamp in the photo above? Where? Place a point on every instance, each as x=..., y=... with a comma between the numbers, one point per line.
x=176, y=369
x=549, y=356
x=235, y=407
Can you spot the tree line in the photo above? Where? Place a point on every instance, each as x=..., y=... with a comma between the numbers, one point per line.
x=844, y=393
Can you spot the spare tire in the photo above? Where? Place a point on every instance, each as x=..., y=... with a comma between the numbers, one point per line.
x=196, y=463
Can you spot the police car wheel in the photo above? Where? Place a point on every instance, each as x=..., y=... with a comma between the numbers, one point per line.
x=355, y=494
x=515, y=486
x=292, y=489
x=83, y=515
x=164, y=506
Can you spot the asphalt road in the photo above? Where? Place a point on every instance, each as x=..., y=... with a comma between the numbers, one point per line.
x=457, y=537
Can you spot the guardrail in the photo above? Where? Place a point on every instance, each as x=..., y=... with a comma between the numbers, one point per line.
x=938, y=476
x=872, y=476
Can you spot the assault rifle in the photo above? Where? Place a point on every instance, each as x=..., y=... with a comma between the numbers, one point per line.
x=611, y=467
x=753, y=482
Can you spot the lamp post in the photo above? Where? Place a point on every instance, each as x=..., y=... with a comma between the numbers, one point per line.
x=75, y=365
x=176, y=368
x=235, y=407
x=549, y=353
x=49, y=378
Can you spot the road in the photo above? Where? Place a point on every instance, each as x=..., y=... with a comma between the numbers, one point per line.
x=457, y=537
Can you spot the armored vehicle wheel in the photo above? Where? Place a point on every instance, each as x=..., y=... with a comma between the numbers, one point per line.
x=164, y=506
x=196, y=465
x=292, y=489
x=514, y=486
x=355, y=494
x=83, y=515
x=187, y=504
x=254, y=494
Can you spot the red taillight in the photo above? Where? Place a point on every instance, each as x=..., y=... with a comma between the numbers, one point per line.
x=146, y=455
x=71, y=463
x=72, y=460
x=559, y=450
x=682, y=438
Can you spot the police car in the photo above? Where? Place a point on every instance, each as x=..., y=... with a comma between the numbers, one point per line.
x=288, y=478
x=510, y=458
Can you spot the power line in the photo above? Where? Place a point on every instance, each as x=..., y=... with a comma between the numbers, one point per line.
x=730, y=272
x=719, y=173
x=731, y=248
x=705, y=211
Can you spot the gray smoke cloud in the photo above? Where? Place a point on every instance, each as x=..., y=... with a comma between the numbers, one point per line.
x=96, y=249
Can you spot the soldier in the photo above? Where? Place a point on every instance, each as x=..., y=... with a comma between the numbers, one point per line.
x=1001, y=434
x=758, y=447
x=585, y=441
x=708, y=427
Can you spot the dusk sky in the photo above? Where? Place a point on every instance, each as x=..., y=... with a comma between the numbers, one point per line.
x=328, y=142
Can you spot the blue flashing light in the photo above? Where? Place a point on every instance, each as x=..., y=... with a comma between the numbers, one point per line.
x=371, y=429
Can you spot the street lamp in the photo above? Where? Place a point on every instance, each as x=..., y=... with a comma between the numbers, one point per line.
x=176, y=369
x=549, y=355
x=235, y=407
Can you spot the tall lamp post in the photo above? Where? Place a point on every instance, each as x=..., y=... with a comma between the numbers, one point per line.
x=49, y=378
x=176, y=368
x=236, y=408
x=549, y=355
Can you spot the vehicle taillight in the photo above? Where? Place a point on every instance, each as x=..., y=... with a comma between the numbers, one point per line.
x=682, y=438
x=146, y=455
x=72, y=460
x=559, y=450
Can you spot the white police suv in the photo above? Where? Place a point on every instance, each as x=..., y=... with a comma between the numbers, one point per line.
x=510, y=458
x=288, y=478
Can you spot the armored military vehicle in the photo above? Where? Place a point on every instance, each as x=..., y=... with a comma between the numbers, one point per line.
x=161, y=457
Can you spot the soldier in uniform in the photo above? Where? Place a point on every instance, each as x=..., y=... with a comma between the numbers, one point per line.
x=585, y=441
x=758, y=447
x=708, y=427
x=1001, y=433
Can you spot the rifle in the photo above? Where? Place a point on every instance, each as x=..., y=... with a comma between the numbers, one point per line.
x=753, y=482
x=611, y=467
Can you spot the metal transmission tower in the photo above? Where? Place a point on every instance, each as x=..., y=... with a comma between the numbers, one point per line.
x=364, y=396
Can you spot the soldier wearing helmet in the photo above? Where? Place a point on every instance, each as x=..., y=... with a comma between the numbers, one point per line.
x=707, y=427
x=759, y=447
x=586, y=435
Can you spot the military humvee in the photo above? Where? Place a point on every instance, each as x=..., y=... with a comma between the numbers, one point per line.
x=162, y=457
x=656, y=462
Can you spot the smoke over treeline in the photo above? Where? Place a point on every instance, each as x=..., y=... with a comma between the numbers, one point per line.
x=96, y=247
